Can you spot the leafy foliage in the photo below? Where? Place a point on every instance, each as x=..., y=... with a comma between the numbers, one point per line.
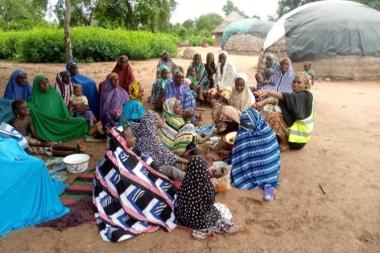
x=89, y=44
x=229, y=7
x=199, y=30
x=22, y=14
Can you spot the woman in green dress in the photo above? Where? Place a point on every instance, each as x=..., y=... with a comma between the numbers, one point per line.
x=50, y=115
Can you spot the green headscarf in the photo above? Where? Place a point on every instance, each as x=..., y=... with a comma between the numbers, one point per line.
x=51, y=117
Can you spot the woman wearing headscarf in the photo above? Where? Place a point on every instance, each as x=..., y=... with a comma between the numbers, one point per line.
x=88, y=86
x=226, y=118
x=176, y=134
x=50, y=115
x=133, y=110
x=282, y=78
x=158, y=90
x=111, y=101
x=293, y=121
x=225, y=72
x=29, y=196
x=6, y=113
x=166, y=61
x=211, y=69
x=241, y=97
x=18, y=86
x=195, y=205
x=202, y=75
x=177, y=89
x=64, y=86
x=125, y=72
x=130, y=195
x=255, y=155
x=148, y=142
x=271, y=65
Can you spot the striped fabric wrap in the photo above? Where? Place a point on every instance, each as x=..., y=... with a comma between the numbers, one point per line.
x=255, y=155
x=176, y=134
x=8, y=131
x=130, y=196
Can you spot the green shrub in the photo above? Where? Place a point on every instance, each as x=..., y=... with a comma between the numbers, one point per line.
x=89, y=44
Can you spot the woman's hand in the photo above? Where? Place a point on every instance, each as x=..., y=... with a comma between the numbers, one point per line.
x=258, y=105
x=262, y=93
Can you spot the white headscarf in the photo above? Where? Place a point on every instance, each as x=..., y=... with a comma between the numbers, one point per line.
x=227, y=78
x=242, y=100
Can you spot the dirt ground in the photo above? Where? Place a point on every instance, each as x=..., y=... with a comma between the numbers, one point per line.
x=343, y=156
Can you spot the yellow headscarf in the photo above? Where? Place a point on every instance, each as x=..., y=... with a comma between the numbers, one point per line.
x=134, y=90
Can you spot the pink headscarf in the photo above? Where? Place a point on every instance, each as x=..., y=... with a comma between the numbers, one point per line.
x=287, y=60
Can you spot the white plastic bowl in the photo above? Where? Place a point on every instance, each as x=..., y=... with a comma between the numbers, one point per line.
x=76, y=163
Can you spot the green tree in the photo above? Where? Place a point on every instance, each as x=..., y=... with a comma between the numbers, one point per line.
x=82, y=11
x=285, y=6
x=371, y=3
x=154, y=15
x=208, y=22
x=22, y=14
x=229, y=7
x=256, y=17
x=272, y=18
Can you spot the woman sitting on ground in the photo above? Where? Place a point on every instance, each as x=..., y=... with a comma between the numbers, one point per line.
x=78, y=106
x=282, y=78
x=50, y=116
x=177, y=89
x=264, y=76
x=176, y=134
x=148, y=142
x=195, y=205
x=226, y=118
x=64, y=86
x=125, y=72
x=166, y=61
x=29, y=196
x=88, y=86
x=210, y=67
x=294, y=122
x=241, y=97
x=133, y=110
x=255, y=155
x=158, y=90
x=23, y=124
x=18, y=86
x=112, y=101
x=201, y=76
x=130, y=196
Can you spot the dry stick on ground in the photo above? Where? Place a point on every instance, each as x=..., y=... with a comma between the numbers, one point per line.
x=323, y=189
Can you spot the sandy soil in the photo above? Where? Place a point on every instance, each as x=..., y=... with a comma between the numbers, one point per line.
x=343, y=155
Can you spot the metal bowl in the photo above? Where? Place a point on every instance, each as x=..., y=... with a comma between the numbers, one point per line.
x=76, y=163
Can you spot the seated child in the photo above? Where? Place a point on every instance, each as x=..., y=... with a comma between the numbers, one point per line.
x=23, y=123
x=78, y=105
x=194, y=85
x=307, y=68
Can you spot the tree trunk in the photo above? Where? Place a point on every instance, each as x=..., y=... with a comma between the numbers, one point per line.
x=68, y=47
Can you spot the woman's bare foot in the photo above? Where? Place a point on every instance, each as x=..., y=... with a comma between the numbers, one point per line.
x=99, y=127
x=284, y=147
x=92, y=131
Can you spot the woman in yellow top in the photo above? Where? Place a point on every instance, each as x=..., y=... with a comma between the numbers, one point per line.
x=295, y=123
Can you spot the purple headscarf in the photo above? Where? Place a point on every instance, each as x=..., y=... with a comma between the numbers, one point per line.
x=16, y=91
x=111, y=100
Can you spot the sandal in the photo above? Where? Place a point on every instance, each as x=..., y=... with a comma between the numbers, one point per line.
x=269, y=192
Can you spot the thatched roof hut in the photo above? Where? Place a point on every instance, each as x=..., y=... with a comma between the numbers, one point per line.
x=340, y=44
x=218, y=32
